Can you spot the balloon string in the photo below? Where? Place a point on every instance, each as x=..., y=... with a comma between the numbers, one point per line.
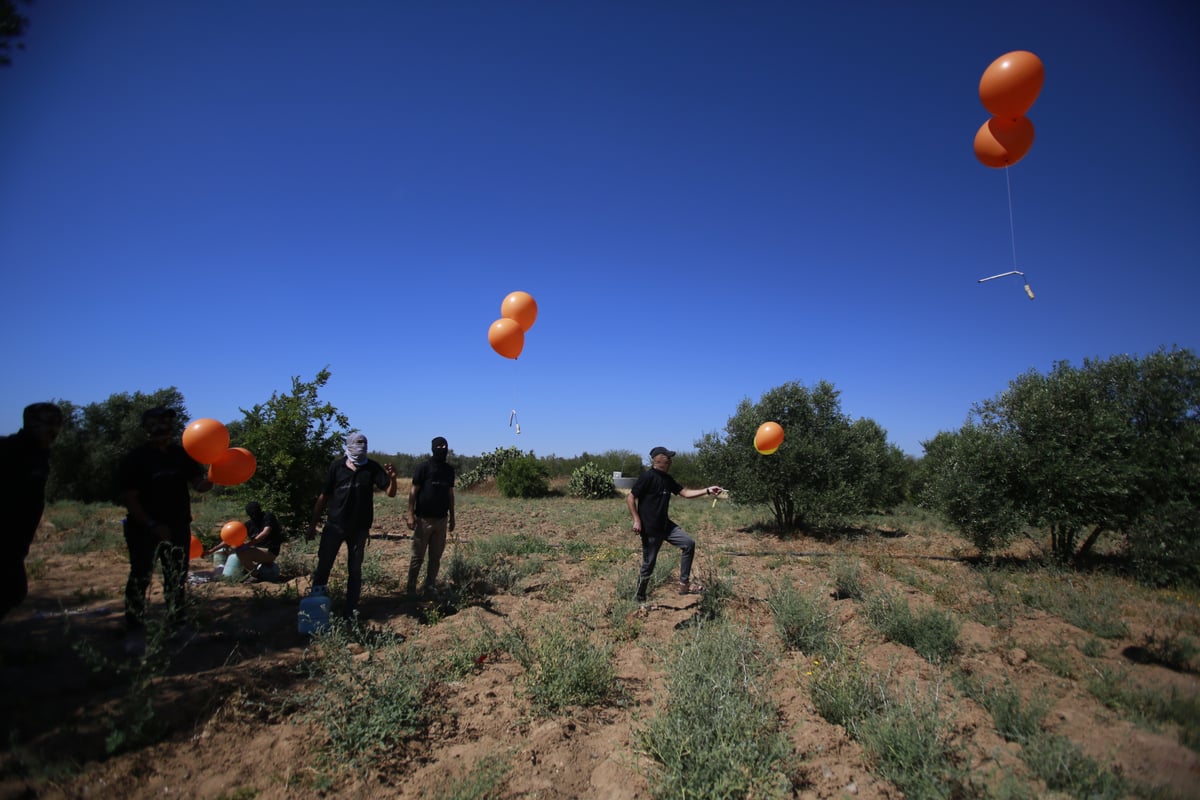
x=1012, y=230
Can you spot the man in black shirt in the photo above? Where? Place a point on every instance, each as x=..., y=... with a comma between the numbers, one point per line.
x=24, y=468
x=155, y=479
x=430, y=514
x=649, y=502
x=264, y=540
x=348, y=490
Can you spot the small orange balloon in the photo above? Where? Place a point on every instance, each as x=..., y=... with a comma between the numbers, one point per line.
x=1011, y=83
x=768, y=437
x=234, y=533
x=1002, y=143
x=506, y=337
x=236, y=466
x=195, y=548
x=205, y=440
x=521, y=307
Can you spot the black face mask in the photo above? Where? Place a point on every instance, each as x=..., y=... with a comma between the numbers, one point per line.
x=439, y=455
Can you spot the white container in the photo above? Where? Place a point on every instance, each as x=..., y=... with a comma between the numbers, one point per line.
x=314, y=612
x=219, y=559
x=233, y=568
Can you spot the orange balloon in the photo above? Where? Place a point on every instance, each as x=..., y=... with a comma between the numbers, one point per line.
x=768, y=437
x=196, y=548
x=506, y=337
x=234, y=533
x=236, y=466
x=1011, y=83
x=521, y=307
x=1002, y=143
x=205, y=440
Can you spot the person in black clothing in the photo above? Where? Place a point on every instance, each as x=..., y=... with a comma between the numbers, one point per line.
x=348, y=490
x=430, y=515
x=24, y=468
x=649, y=502
x=154, y=480
x=264, y=540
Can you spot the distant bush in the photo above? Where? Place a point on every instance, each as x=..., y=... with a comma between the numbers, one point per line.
x=591, y=482
x=523, y=477
x=489, y=466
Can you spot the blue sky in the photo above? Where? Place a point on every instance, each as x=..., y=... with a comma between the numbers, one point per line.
x=706, y=200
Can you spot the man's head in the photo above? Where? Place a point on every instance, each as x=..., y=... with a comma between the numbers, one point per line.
x=440, y=448
x=254, y=510
x=660, y=459
x=42, y=421
x=159, y=423
x=356, y=448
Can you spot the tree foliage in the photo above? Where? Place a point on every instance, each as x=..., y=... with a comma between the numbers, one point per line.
x=294, y=437
x=523, y=477
x=12, y=27
x=828, y=469
x=95, y=437
x=1111, y=446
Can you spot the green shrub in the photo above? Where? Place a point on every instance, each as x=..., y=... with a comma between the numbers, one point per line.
x=802, y=622
x=591, y=483
x=563, y=668
x=523, y=477
x=489, y=466
x=932, y=633
x=718, y=736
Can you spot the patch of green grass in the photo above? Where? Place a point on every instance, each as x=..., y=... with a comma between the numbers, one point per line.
x=718, y=735
x=905, y=736
x=481, y=783
x=1093, y=605
x=1148, y=708
x=1065, y=767
x=1016, y=720
x=933, y=633
x=802, y=621
x=565, y=664
x=848, y=579
x=369, y=694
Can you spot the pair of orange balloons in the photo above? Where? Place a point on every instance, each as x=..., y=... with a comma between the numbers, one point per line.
x=768, y=437
x=1008, y=89
x=207, y=442
x=518, y=312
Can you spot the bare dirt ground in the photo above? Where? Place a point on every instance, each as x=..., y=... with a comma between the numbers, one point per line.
x=232, y=731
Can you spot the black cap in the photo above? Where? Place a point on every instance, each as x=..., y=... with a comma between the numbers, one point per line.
x=158, y=412
x=253, y=508
x=439, y=441
x=662, y=451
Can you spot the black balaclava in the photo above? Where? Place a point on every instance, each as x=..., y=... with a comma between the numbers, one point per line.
x=440, y=448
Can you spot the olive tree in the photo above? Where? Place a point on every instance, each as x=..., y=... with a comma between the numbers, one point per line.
x=1110, y=446
x=94, y=438
x=828, y=468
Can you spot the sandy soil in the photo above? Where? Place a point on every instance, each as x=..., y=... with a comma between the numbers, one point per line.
x=232, y=732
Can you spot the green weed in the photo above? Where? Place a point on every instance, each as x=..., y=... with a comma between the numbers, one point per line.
x=718, y=736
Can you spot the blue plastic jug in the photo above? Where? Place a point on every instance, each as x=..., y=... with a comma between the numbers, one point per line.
x=314, y=611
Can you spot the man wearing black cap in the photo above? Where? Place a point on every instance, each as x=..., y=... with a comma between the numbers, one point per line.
x=349, y=488
x=649, y=503
x=430, y=514
x=154, y=480
x=24, y=469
